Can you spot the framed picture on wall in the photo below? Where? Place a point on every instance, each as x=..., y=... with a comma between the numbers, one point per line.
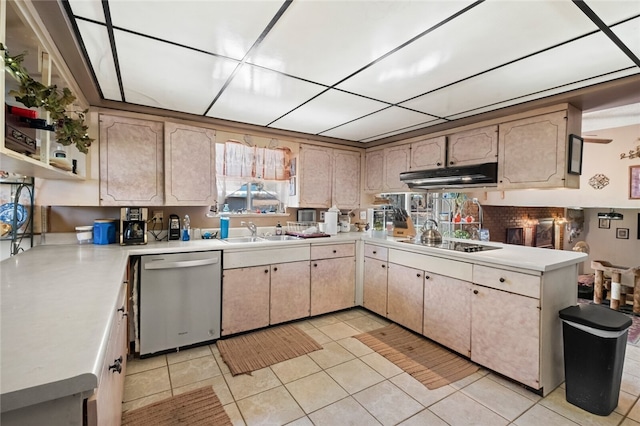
x=634, y=182
x=515, y=236
x=544, y=234
x=604, y=223
x=575, y=154
x=622, y=233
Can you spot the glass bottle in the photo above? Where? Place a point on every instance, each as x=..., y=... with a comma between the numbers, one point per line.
x=186, y=228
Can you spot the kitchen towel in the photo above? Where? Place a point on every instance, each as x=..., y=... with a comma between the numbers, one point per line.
x=426, y=361
x=253, y=351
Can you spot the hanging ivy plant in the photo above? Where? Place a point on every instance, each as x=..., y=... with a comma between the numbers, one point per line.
x=33, y=94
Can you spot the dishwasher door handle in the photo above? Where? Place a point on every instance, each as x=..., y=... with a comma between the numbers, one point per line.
x=180, y=264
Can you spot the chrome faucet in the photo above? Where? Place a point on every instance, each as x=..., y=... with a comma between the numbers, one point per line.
x=251, y=227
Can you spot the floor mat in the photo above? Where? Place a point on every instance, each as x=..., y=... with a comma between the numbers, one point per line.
x=253, y=351
x=429, y=363
x=194, y=408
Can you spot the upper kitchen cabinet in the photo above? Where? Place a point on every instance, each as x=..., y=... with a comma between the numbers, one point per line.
x=428, y=154
x=190, y=166
x=472, y=147
x=329, y=177
x=533, y=151
x=383, y=168
x=131, y=162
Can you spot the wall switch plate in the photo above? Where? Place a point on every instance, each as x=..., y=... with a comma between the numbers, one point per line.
x=363, y=215
x=157, y=216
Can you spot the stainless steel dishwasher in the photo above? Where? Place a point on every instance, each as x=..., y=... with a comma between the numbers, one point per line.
x=180, y=300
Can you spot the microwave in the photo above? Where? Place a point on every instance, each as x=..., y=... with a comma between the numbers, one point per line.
x=306, y=215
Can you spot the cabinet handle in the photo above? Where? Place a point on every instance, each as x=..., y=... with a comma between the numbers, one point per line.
x=315, y=264
x=121, y=309
x=426, y=277
x=418, y=275
x=275, y=269
x=451, y=163
x=117, y=365
x=335, y=251
x=502, y=280
x=438, y=164
x=266, y=271
x=375, y=252
x=475, y=291
x=384, y=266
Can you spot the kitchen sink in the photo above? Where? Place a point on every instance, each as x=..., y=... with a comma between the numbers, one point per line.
x=244, y=240
x=280, y=237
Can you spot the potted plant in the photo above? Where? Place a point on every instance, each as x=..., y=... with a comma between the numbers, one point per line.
x=33, y=94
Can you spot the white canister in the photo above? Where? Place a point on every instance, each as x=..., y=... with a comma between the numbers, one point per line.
x=331, y=220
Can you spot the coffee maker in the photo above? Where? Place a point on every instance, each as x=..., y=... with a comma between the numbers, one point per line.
x=174, y=227
x=133, y=225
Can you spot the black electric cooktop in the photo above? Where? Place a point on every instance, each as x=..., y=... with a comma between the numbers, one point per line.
x=457, y=246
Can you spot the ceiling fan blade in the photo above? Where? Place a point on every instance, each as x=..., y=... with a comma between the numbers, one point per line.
x=597, y=140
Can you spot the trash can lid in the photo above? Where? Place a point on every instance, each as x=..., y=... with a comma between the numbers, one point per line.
x=596, y=316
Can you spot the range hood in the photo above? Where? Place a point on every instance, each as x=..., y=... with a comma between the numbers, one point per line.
x=481, y=175
x=610, y=215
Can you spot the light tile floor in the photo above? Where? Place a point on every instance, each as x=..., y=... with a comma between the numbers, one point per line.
x=347, y=383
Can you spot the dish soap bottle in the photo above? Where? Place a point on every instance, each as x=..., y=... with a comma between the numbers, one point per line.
x=186, y=228
x=278, y=229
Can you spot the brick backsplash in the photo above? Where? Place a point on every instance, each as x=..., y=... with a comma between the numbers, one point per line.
x=498, y=218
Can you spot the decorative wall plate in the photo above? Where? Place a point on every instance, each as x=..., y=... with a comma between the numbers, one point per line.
x=599, y=181
x=6, y=214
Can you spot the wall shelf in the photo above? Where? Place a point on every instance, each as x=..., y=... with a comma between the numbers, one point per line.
x=14, y=162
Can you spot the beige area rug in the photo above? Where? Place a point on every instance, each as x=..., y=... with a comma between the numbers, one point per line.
x=253, y=351
x=429, y=363
x=194, y=408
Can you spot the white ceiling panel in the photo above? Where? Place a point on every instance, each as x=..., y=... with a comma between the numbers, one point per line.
x=452, y=52
x=629, y=34
x=168, y=76
x=325, y=41
x=96, y=41
x=378, y=123
x=227, y=28
x=405, y=130
x=563, y=65
x=328, y=110
x=89, y=9
x=612, y=11
x=259, y=96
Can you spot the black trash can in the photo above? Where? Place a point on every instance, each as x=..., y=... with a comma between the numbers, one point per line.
x=595, y=338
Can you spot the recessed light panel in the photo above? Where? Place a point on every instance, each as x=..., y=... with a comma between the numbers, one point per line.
x=96, y=41
x=88, y=9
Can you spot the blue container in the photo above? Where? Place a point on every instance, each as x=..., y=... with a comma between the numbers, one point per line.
x=224, y=227
x=104, y=231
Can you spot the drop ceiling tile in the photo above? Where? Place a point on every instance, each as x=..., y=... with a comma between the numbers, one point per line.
x=612, y=11
x=325, y=41
x=379, y=123
x=488, y=35
x=88, y=9
x=96, y=41
x=259, y=96
x=629, y=33
x=227, y=28
x=566, y=64
x=167, y=76
x=328, y=110
x=405, y=130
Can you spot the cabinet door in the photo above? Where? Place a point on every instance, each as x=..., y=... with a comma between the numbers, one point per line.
x=190, y=165
x=315, y=171
x=532, y=152
x=375, y=286
x=505, y=334
x=374, y=163
x=290, y=291
x=396, y=161
x=245, y=299
x=447, y=312
x=332, y=284
x=405, y=294
x=346, y=179
x=475, y=146
x=428, y=154
x=131, y=162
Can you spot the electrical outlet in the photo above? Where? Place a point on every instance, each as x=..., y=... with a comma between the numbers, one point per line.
x=157, y=216
x=322, y=215
x=363, y=215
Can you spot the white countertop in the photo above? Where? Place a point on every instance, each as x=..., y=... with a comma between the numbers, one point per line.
x=57, y=301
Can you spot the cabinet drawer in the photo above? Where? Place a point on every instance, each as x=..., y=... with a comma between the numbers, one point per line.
x=332, y=250
x=376, y=252
x=514, y=282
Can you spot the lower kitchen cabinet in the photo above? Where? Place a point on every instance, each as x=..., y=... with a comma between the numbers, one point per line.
x=290, y=291
x=332, y=284
x=505, y=334
x=375, y=286
x=447, y=312
x=405, y=296
x=245, y=299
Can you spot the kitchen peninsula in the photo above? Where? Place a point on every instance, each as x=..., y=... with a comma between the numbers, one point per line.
x=62, y=305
